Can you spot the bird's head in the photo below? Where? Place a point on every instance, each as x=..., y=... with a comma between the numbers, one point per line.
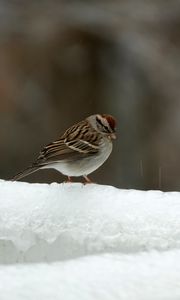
x=105, y=124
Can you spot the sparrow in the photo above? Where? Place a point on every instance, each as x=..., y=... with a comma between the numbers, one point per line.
x=82, y=149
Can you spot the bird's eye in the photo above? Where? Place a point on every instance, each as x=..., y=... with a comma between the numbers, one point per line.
x=99, y=121
x=106, y=128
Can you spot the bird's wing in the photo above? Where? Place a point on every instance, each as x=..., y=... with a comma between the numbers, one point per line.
x=70, y=146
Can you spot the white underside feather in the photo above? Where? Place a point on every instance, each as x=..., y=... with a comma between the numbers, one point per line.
x=83, y=166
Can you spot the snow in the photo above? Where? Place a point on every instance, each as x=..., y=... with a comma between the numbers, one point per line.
x=41, y=222
x=78, y=241
x=141, y=276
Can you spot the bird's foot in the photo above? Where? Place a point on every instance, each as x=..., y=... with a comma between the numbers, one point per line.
x=69, y=180
x=87, y=180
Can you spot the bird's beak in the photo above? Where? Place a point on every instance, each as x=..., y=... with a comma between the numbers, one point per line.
x=113, y=136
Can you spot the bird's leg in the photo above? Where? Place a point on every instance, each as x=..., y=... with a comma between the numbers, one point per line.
x=87, y=180
x=69, y=180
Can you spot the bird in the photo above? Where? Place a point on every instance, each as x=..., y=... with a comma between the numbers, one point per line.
x=82, y=149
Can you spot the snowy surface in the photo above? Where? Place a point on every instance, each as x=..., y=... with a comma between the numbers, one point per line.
x=40, y=222
x=141, y=276
x=102, y=242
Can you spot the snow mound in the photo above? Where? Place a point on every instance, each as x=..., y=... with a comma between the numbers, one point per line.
x=41, y=222
x=143, y=276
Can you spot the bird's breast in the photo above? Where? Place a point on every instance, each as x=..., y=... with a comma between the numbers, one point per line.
x=85, y=165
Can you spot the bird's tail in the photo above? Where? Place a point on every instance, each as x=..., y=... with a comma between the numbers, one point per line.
x=26, y=172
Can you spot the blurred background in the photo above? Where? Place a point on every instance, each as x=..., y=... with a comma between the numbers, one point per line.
x=61, y=61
